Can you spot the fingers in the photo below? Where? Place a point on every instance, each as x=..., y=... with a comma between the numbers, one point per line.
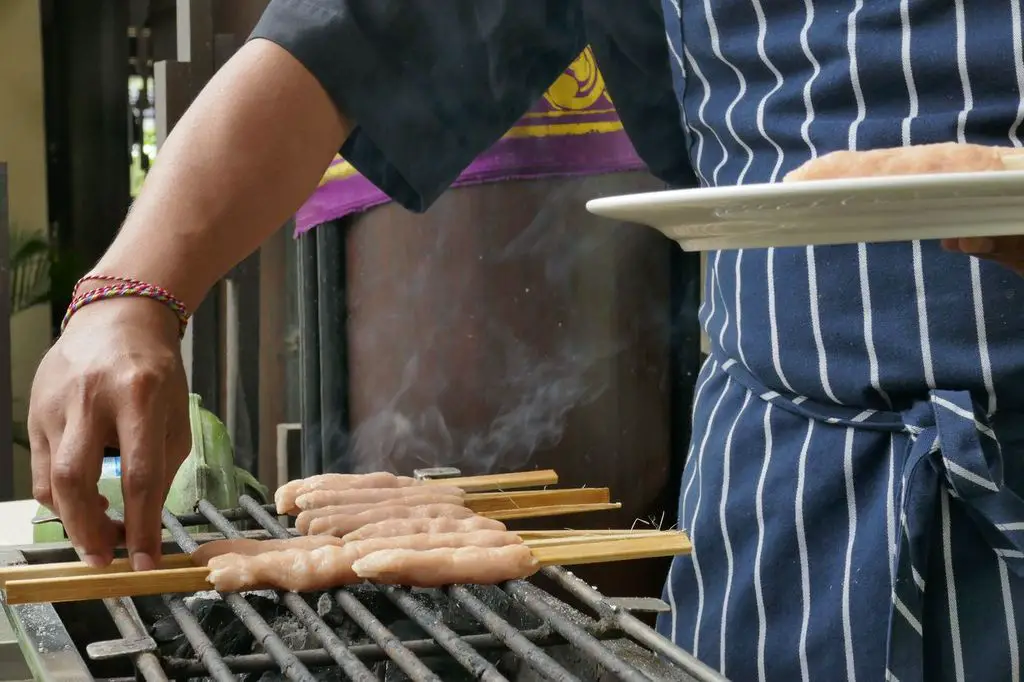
x=40, y=462
x=1008, y=251
x=141, y=428
x=74, y=470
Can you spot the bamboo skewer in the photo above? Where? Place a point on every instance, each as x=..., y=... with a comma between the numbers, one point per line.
x=486, y=482
x=194, y=579
x=173, y=561
x=585, y=539
x=552, y=510
x=570, y=533
x=71, y=569
x=108, y=585
x=485, y=502
x=614, y=550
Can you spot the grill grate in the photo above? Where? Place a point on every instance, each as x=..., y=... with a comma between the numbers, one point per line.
x=584, y=635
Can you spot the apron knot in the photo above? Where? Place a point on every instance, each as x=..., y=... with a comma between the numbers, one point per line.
x=953, y=454
x=952, y=433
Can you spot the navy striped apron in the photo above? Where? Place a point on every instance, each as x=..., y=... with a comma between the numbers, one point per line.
x=854, y=483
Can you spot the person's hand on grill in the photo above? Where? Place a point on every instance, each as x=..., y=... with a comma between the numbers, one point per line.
x=114, y=378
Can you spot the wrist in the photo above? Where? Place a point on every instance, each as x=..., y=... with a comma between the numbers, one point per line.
x=188, y=284
x=138, y=313
x=127, y=300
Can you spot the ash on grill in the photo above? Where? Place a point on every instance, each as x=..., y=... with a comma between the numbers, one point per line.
x=516, y=632
x=233, y=639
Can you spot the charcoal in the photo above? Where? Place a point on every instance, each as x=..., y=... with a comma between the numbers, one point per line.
x=227, y=633
x=231, y=637
x=293, y=633
x=505, y=606
x=327, y=608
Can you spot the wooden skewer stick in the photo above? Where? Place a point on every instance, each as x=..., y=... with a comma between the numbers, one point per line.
x=485, y=502
x=486, y=482
x=627, y=549
x=552, y=510
x=586, y=539
x=185, y=580
x=572, y=532
x=69, y=569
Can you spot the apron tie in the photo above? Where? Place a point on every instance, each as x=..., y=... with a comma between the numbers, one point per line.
x=953, y=452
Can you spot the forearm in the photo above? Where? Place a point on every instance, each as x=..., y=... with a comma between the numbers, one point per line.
x=243, y=158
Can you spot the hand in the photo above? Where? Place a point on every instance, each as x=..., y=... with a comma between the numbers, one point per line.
x=113, y=379
x=1008, y=251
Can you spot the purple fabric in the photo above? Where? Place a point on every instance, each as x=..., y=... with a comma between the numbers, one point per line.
x=573, y=130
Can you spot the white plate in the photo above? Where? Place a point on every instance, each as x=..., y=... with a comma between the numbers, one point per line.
x=879, y=209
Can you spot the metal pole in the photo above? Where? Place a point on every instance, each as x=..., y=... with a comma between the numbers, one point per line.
x=6, y=390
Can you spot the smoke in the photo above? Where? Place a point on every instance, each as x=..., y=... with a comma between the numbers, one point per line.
x=498, y=412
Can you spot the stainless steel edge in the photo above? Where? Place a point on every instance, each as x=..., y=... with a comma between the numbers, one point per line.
x=50, y=654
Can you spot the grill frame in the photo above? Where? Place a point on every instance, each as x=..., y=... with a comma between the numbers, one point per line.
x=51, y=652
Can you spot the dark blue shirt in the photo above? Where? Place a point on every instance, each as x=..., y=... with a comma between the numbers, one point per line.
x=430, y=90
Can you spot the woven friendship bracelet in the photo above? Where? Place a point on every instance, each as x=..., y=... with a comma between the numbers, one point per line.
x=125, y=288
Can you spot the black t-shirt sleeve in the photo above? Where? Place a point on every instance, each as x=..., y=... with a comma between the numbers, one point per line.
x=430, y=84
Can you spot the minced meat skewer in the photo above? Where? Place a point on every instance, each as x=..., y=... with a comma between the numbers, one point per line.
x=306, y=517
x=329, y=566
x=284, y=498
x=393, y=527
x=327, y=498
x=447, y=565
x=339, y=525
x=252, y=547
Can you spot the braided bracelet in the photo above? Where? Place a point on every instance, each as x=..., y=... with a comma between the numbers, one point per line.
x=123, y=287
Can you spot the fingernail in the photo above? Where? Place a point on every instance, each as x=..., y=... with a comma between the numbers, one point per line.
x=94, y=560
x=142, y=562
x=977, y=245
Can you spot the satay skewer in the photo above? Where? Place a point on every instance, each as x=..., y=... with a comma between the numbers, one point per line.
x=71, y=569
x=498, y=482
x=487, y=502
x=552, y=510
x=106, y=585
x=483, y=502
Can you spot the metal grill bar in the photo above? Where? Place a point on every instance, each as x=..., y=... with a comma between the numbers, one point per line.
x=530, y=653
x=633, y=626
x=378, y=632
x=126, y=620
x=290, y=666
x=214, y=663
x=369, y=653
x=573, y=633
x=528, y=594
x=466, y=655
x=558, y=629
x=128, y=623
x=352, y=666
x=242, y=513
x=410, y=664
